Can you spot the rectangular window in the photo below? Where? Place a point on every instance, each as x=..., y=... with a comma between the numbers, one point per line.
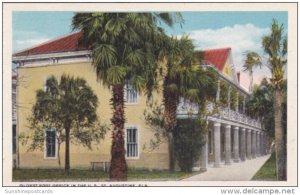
x=50, y=143
x=130, y=95
x=131, y=142
x=14, y=139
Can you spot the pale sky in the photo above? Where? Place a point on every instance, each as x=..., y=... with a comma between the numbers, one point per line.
x=242, y=31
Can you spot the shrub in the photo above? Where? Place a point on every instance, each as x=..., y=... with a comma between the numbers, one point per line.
x=188, y=139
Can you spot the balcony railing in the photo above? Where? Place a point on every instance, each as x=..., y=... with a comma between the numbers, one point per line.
x=187, y=108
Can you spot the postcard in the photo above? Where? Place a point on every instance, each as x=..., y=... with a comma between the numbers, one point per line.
x=150, y=94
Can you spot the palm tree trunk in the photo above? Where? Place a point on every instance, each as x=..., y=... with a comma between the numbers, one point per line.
x=67, y=158
x=279, y=141
x=118, y=167
x=170, y=103
x=171, y=152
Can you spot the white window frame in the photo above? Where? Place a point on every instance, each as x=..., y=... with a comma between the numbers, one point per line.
x=128, y=126
x=45, y=144
x=125, y=96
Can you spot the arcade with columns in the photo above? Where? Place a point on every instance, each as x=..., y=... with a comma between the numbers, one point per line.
x=232, y=136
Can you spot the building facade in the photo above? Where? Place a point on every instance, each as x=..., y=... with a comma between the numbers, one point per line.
x=14, y=117
x=232, y=136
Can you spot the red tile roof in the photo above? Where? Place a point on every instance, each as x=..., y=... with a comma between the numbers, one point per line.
x=62, y=44
x=217, y=57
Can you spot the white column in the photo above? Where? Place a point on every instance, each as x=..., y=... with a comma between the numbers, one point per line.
x=262, y=150
x=257, y=143
x=253, y=144
x=217, y=143
x=212, y=141
x=249, y=144
x=218, y=92
x=237, y=105
x=227, y=145
x=243, y=144
x=228, y=94
x=236, y=144
x=244, y=104
x=260, y=145
x=204, y=155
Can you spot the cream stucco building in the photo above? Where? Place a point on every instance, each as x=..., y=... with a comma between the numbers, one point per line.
x=232, y=135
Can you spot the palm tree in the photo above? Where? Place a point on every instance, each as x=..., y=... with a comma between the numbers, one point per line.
x=178, y=56
x=202, y=87
x=69, y=106
x=125, y=47
x=252, y=60
x=181, y=79
x=260, y=104
x=275, y=46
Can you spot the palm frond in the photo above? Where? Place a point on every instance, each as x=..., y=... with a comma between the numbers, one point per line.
x=138, y=83
x=135, y=58
x=116, y=75
x=252, y=60
x=104, y=57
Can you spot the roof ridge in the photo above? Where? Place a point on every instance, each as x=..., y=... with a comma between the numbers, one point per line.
x=217, y=56
x=46, y=42
x=221, y=48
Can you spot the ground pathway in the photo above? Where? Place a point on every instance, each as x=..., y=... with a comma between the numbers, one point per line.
x=241, y=171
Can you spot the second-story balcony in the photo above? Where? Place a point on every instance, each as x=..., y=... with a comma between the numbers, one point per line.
x=188, y=109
